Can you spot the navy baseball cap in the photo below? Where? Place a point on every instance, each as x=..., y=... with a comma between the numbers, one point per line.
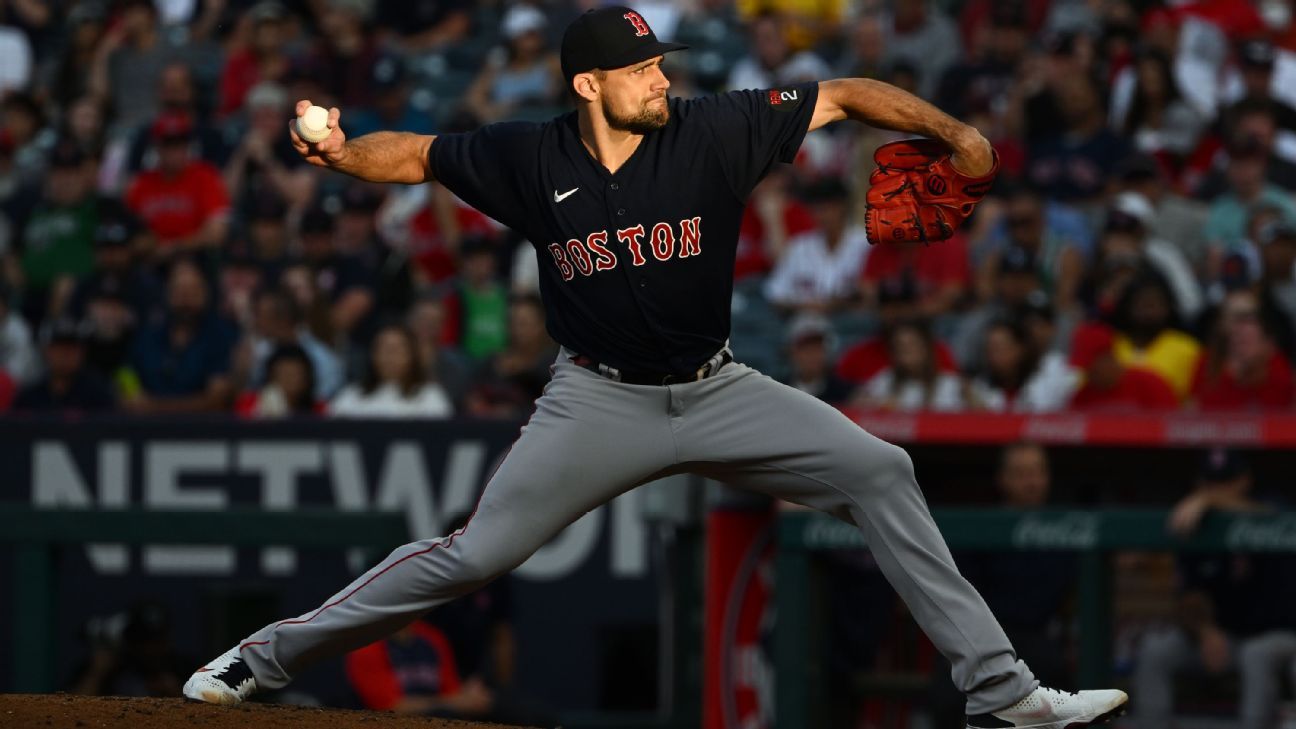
x=609, y=37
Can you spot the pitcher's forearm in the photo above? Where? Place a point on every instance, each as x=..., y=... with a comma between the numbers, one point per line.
x=387, y=157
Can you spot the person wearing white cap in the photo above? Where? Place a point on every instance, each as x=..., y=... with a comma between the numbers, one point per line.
x=526, y=73
x=1132, y=214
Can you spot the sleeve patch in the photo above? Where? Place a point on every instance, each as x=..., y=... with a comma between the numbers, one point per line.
x=784, y=99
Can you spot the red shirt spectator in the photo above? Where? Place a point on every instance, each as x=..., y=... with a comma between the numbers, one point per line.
x=1108, y=384
x=1271, y=389
x=753, y=249
x=428, y=242
x=940, y=271
x=864, y=360
x=415, y=662
x=178, y=207
x=181, y=199
x=1133, y=390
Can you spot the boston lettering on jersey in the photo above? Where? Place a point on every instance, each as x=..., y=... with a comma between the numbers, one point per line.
x=592, y=254
x=636, y=265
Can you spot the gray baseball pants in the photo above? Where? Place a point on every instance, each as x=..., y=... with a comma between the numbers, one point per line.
x=592, y=438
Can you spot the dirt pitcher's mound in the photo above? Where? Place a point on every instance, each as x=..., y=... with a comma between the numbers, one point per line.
x=65, y=711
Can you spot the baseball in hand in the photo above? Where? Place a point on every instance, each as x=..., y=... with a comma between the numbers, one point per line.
x=313, y=125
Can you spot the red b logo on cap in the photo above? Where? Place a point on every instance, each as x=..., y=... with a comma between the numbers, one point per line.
x=641, y=28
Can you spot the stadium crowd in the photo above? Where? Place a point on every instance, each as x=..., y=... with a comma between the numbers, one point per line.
x=164, y=249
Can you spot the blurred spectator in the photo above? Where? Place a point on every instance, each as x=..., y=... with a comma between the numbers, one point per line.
x=425, y=25
x=1156, y=119
x=129, y=61
x=1247, y=189
x=396, y=384
x=343, y=282
x=940, y=273
x=865, y=53
x=264, y=162
x=25, y=133
x=809, y=349
x=131, y=654
x=268, y=245
x=1234, y=610
x=68, y=385
x=771, y=61
x=1131, y=217
x=115, y=299
x=527, y=73
x=922, y=36
x=184, y=200
x=178, y=93
x=183, y=360
x=442, y=363
x=988, y=76
x=914, y=380
x=391, y=109
x=1017, y=377
x=264, y=58
x=820, y=270
x=1108, y=384
x=1175, y=218
x=433, y=234
x=1054, y=237
x=1045, y=334
x=1248, y=124
x=289, y=389
x=1278, y=253
x=1075, y=162
x=387, y=265
x=67, y=73
x=1028, y=591
x=84, y=124
x=299, y=281
x=278, y=322
x=1257, y=59
x=1243, y=369
x=413, y=672
x=478, y=310
x=57, y=242
x=897, y=304
x=510, y=381
x=1016, y=283
x=772, y=217
x=1148, y=336
x=345, y=52
x=19, y=361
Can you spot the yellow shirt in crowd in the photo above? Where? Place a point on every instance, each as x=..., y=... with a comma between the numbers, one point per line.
x=1173, y=355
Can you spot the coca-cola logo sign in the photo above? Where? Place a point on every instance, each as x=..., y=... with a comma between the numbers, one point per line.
x=1262, y=535
x=1067, y=531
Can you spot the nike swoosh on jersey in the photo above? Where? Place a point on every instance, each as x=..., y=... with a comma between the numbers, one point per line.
x=559, y=198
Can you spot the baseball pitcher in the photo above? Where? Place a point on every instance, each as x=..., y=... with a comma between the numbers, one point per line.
x=633, y=203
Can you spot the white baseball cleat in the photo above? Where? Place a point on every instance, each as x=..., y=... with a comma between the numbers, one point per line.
x=1046, y=708
x=226, y=680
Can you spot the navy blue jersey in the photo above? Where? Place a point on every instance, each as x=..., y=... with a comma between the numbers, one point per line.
x=636, y=267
